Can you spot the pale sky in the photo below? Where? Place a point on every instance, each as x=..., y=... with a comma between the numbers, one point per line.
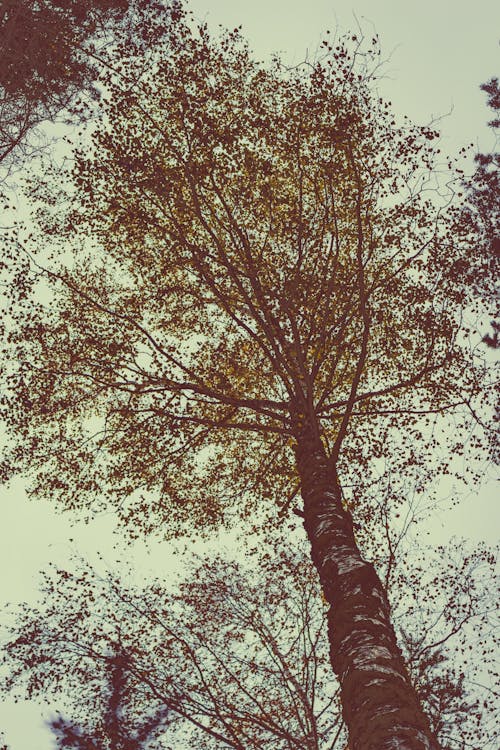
x=440, y=52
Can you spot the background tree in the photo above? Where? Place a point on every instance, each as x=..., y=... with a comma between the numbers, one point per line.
x=248, y=246
x=238, y=655
x=115, y=732
x=483, y=214
x=237, y=658
x=51, y=55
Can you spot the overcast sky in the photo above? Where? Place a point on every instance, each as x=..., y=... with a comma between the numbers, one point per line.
x=438, y=54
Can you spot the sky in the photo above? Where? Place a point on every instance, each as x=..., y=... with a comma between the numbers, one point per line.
x=438, y=53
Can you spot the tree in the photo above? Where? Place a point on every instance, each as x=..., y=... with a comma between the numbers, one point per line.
x=262, y=299
x=114, y=732
x=237, y=656
x=51, y=56
x=482, y=212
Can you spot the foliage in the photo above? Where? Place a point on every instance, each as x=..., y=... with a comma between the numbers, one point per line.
x=483, y=213
x=115, y=731
x=237, y=659
x=51, y=54
x=246, y=244
x=238, y=656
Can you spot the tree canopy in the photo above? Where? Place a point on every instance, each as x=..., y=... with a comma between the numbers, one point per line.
x=248, y=244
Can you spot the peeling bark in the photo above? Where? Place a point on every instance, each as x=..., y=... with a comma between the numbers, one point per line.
x=380, y=706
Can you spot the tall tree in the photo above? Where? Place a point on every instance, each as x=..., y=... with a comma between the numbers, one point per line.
x=261, y=300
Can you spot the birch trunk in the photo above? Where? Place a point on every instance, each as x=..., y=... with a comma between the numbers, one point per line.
x=380, y=706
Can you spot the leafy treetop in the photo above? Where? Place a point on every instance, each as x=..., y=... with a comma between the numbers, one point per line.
x=245, y=249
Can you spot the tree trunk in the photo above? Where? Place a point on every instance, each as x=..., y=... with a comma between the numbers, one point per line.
x=380, y=706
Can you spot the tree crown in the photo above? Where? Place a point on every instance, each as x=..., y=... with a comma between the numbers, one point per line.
x=249, y=249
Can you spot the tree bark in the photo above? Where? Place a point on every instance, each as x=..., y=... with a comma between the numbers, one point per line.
x=380, y=706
